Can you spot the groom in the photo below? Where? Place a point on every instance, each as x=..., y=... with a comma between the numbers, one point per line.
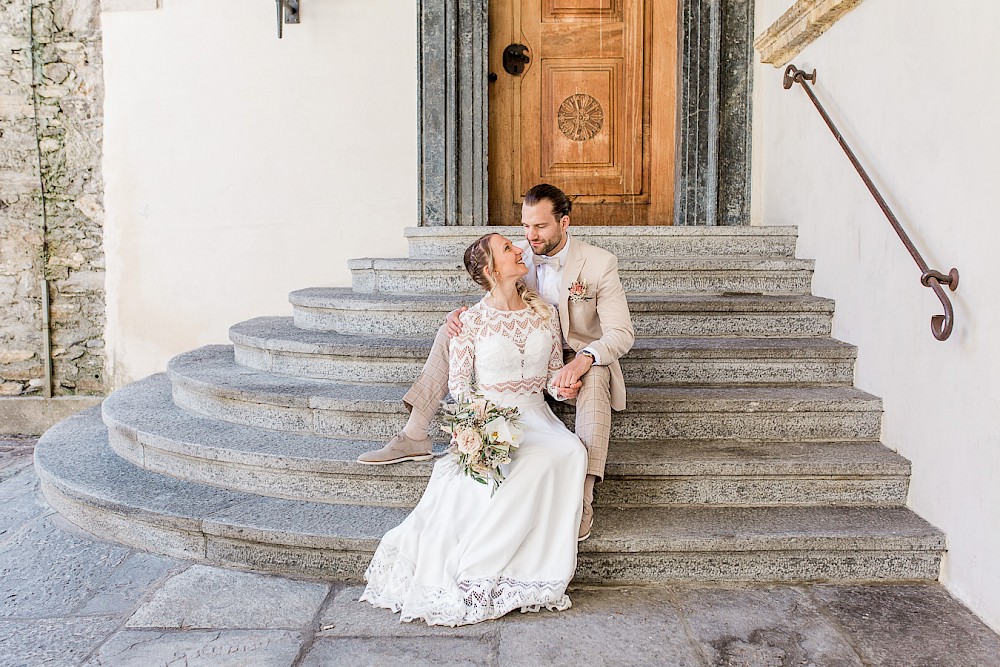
x=582, y=281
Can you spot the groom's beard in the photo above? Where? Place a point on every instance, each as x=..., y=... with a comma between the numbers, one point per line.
x=548, y=247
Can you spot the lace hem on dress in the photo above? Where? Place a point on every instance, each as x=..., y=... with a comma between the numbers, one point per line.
x=391, y=586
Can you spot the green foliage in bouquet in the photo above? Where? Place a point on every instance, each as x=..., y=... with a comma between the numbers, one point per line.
x=483, y=437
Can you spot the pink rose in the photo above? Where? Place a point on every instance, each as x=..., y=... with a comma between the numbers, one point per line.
x=468, y=441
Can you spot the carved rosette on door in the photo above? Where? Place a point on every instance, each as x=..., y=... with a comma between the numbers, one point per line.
x=580, y=117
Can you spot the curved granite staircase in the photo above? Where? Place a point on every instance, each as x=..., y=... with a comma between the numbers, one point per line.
x=745, y=454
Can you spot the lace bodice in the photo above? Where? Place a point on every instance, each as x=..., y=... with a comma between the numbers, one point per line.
x=505, y=352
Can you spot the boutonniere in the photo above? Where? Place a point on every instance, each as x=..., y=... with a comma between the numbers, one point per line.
x=578, y=291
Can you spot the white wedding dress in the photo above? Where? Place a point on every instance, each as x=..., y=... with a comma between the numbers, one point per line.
x=463, y=556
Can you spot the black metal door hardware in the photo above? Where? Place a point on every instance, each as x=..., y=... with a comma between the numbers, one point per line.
x=515, y=57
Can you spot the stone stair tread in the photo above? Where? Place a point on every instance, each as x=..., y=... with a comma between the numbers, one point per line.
x=730, y=302
x=613, y=230
x=145, y=412
x=715, y=457
x=280, y=334
x=213, y=369
x=753, y=399
x=648, y=263
x=327, y=297
x=744, y=346
x=752, y=528
x=74, y=457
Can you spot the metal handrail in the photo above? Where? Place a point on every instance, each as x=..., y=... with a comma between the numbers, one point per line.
x=941, y=325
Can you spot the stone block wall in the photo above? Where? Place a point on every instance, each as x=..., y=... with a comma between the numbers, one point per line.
x=51, y=193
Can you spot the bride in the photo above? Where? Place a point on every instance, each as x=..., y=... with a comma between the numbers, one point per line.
x=463, y=556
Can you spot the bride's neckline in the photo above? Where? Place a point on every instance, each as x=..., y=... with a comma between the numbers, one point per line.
x=485, y=302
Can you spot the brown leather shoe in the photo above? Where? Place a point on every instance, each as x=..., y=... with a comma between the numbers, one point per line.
x=400, y=448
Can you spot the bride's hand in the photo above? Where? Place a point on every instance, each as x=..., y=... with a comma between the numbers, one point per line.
x=571, y=392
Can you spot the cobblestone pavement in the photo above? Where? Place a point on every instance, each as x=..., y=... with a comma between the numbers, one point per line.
x=15, y=454
x=67, y=598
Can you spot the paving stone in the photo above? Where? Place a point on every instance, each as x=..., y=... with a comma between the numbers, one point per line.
x=15, y=454
x=199, y=648
x=763, y=626
x=346, y=617
x=45, y=571
x=19, y=503
x=412, y=652
x=126, y=586
x=52, y=642
x=621, y=627
x=910, y=626
x=208, y=597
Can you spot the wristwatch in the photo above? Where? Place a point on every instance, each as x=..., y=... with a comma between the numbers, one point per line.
x=587, y=353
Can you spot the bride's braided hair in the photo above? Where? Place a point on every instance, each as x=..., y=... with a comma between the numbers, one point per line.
x=479, y=263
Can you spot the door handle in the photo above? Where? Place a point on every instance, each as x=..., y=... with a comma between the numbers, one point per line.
x=515, y=57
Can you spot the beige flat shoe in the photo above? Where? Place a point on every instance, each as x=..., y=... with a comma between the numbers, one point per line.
x=400, y=448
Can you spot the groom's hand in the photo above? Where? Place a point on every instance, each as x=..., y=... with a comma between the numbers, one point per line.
x=455, y=322
x=571, y=373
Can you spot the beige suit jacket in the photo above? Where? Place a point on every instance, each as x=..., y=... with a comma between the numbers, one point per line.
x=602, y=321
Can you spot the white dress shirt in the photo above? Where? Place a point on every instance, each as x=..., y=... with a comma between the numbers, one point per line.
x=549, y=281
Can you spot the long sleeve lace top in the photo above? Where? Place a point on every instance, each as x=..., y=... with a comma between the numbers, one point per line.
x=505, y=352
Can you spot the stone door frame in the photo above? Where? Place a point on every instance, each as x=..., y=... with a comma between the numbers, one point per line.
x=712, y=182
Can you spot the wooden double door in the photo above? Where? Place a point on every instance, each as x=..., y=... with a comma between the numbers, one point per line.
x=587, y=102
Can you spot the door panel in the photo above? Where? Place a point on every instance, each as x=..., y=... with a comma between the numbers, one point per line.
x=581, y=115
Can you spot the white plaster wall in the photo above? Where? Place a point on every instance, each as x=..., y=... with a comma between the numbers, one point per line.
x=239, y=167
x=910, y=85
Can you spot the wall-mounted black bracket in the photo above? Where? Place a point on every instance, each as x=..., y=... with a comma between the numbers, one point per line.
x=288, y=12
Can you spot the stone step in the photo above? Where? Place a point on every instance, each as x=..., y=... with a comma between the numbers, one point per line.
x=148, y=429
x=341, y=310
x=209, y=382
x=276, y=345
x=655, y=275
x=637, y=241
x=86, y=482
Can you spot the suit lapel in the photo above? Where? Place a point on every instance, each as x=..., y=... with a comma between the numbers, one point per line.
x=571, y=273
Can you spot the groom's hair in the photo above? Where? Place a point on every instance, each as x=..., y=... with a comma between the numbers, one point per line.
x=561, y=204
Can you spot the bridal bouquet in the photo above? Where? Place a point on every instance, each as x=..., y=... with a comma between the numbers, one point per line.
x=483, y=436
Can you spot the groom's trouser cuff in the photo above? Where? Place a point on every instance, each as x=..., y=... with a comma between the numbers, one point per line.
x=431, y=386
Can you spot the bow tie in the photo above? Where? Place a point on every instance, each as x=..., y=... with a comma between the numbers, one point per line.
x=554, y=262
